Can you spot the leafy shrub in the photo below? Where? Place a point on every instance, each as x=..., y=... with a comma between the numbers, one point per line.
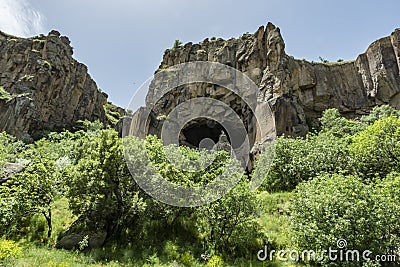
x=376, y=150
x=380, y=112
x=298, y=160
x=171, y=250
x=10, y=147
x=9, y=249
x=333, y=207
x=215, y=261
x=228, y=225
x=332, y=122
x=177, y=44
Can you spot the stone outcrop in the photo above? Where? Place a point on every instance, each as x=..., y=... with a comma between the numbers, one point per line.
x=43, y=87
x=8, y=170
x=298, y=91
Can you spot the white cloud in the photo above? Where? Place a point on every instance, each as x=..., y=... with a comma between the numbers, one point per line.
x=18, y=17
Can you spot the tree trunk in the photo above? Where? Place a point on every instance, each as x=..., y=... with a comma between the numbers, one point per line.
x=49, y=224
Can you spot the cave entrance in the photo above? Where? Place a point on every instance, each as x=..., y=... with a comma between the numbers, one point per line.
x=197, y=130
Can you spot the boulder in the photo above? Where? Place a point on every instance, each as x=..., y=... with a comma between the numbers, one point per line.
x=8, y=170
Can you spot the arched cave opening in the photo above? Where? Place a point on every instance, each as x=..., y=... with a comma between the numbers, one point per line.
x=197, y=130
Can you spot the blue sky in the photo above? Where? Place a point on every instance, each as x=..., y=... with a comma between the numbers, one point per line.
x=122, y=41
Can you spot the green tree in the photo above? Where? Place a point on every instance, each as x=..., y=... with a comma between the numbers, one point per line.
x=101, y=190
x=380, y=112
x=228, y=225
x=333, y=122
x=376, y=150
x=30, y=192
x=332, y=207
x=298, y=160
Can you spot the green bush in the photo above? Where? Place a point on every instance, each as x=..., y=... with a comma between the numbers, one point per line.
x=229, y=225
x=376, y=150
x=187, y=259
x=9, y=249
x=298, y=160
x=215, y=261
x=380, y=112
x=333, y=207
x=332, y=122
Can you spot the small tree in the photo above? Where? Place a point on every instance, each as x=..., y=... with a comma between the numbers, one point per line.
x=228, y=225
x=177, y=44
x=31, y=192
x=376, y=150
x=323, y=60
x=101, y=190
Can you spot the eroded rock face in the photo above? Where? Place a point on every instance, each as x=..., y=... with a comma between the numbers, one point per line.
x=49, y=90
x=298, y=91
x=8, y=170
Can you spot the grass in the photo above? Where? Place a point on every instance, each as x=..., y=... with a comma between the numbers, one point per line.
x=62, y=218
x=42, y=256
x=275, y=217
x=50, y=257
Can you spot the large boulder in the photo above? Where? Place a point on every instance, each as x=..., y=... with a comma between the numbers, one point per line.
x=8, y=170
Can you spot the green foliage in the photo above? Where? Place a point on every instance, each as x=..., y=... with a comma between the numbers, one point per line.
x=30, y=192
x=90, y=127
x=323, y=60
x=9, y=249
x=101, y=189
x=333, y=122
x=228, y=225
x=215, y=261
x=9, y=148
x=298, y=160
x=177, y=44
x=4, y=95
x=380, y=112
x=112, y=112
x=187, y=259
x=376, y=150
x=332, y=207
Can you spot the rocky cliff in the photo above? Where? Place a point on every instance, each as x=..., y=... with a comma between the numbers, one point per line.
x=43, y=88
x=297, y=90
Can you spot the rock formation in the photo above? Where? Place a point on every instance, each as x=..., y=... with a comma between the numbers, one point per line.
x=43, y=88
x=298, y=91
